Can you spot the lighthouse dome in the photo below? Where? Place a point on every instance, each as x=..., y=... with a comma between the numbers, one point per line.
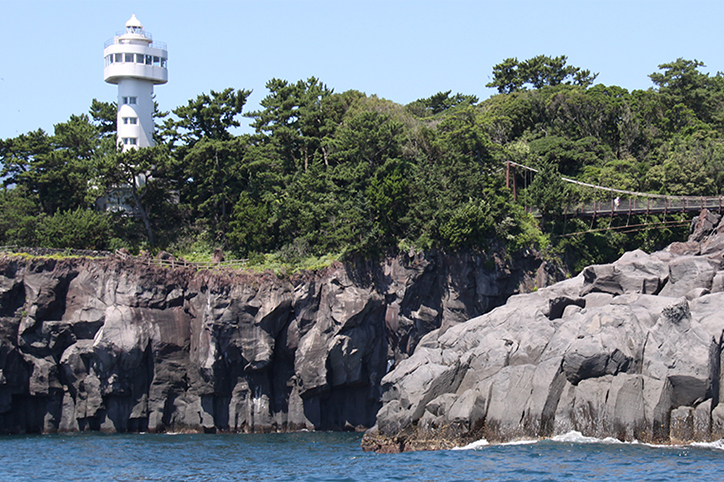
x=134, y=22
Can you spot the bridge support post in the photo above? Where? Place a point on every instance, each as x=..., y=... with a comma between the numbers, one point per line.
x=507, y=179
x=507, y=174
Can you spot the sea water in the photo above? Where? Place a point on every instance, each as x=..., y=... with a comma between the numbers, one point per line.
x=338, y=457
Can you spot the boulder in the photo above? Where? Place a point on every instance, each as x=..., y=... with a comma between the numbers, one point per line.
x=687, y=273
x=634, y=272
x=717, y=422
x=703, y=225
x=604, y=407
x=682, y=425
x=691, y=424
x=678, y=350
x=717, y=283
x=606, y=344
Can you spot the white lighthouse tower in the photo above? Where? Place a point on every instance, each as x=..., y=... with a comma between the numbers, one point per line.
x=135, y=63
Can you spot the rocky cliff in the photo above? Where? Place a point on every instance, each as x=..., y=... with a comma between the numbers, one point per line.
x=631, y=350
x=120, y=345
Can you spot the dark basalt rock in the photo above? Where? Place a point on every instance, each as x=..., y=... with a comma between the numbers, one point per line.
x=119, y=344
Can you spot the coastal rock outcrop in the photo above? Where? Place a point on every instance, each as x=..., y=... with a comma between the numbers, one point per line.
x=631, y=349
x=120, y=344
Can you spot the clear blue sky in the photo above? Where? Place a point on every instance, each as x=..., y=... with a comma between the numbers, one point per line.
x=51, y=52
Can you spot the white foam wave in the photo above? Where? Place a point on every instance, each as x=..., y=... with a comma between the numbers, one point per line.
x=521, y=442
x=474, y=445
x=484, y=443
x=717, y=445
x=577, y=437
x=656, y=446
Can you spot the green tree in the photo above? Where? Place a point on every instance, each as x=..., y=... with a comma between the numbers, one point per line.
x=213, y=181
x=687, y=169
x=78, y=229
x=19, y=156
x=369, y=138
x=449, y=181
x=548, y=191
x=250, y=226
x=463, y=133
x=440, y=102
x=471, y=224
x=389, y=195
x=298, y=119
x=207, y=116
x=570, y=156
x=19, y=219
x=208, y=154
x=57, y=168
x=142, y=177
x=620, y=174
x=104, y=116
x=512, y=75
x=363, y=177
x=681, y=82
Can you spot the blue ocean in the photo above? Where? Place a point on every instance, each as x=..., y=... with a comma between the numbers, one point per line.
x=338, y=457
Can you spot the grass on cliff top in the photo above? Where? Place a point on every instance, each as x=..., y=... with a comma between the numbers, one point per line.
x=259, y=263
x=280, y=263
x=56, y=256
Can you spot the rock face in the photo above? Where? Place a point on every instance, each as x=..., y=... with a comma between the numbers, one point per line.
x=631, y=350
x=117, y=345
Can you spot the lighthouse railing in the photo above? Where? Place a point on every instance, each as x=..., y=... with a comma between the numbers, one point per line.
x=154, y=45
x=142, y=32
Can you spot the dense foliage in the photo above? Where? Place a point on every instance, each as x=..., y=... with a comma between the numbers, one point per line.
x=328, y=172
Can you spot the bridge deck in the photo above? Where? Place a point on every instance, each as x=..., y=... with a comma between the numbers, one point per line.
x=634, y=206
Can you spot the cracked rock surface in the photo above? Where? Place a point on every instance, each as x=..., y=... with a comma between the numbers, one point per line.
x=117, y=345
x=631, y=350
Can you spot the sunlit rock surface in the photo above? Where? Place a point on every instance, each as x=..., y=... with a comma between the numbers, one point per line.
x=630, y=350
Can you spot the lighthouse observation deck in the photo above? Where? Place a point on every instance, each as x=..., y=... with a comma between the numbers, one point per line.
x=132, y=53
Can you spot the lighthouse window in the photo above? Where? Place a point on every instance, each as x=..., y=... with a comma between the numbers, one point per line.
x=163, y=63
x=130, y=120
x=139, y=58
x=119, y=57
x=129, y=58
x=156, y=61
x=148, y=59
x=130, y=141
x=129, y=100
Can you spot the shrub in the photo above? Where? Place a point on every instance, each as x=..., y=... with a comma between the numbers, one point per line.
x=79, y=229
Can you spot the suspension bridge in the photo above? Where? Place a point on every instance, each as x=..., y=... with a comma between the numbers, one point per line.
x=625, y=203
